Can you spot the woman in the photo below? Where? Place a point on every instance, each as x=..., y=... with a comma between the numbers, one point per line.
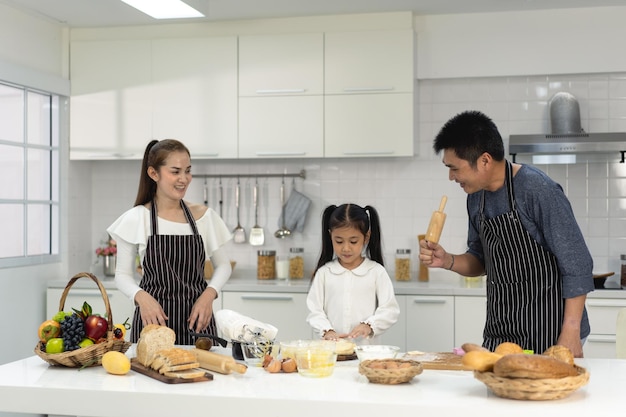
x=172, y=238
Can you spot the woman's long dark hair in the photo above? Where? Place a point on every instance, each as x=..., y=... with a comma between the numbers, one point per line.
x=364, y=219
x=154, y=156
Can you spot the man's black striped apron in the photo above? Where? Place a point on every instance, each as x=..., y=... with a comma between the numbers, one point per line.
x=173, y=273
x=524, y=291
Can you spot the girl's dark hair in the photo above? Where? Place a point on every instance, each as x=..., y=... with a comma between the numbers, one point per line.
x=470, y=134
x=351, y=215
x=154, y=156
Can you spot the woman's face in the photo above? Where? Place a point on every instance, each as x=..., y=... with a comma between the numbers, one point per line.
x=348, y=243
x=173, y=177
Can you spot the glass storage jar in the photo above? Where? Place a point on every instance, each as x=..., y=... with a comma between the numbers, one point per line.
x=403, y=264
x=296, y=263
x=266, y=264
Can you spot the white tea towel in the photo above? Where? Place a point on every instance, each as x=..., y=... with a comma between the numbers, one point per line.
x=295, y=211
x=236, y=326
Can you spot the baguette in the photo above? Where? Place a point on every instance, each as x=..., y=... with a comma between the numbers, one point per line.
x=469, y=347
x=521, y=365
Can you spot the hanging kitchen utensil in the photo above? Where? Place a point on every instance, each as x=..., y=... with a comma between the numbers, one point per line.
x=239, y=232
x=221, y=199
x=206, y=193
x=257, y=237
x=283, y=232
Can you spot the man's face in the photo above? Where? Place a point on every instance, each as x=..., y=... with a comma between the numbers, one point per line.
x=460, y=171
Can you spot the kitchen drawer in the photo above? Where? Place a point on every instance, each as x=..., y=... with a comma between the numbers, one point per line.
x=603, y=314
x=430, y=323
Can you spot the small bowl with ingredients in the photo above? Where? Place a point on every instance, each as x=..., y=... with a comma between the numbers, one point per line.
x=366, y=352
x=316, y=359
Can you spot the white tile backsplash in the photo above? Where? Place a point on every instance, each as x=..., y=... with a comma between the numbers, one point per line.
x=405, y=191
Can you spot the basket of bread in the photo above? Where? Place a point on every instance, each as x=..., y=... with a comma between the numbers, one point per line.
x=80, y=339
x=510, y=372
x=390, y=371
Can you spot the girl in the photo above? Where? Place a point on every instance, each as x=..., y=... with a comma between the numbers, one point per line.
x=351, y=295
x=172, y=238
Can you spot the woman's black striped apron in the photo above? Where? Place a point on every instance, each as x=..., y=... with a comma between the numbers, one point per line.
x=524, y=291
x=173, y=273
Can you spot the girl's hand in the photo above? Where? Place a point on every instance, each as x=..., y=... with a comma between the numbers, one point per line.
x=361, y=330
x=331, y=335
x=150, y=309
x=202, y=311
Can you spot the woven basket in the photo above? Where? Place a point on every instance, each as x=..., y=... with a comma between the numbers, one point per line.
x=390, y=376
x=90, y=355
x=533, y=389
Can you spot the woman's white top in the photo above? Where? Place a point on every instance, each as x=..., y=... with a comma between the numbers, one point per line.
x=132, y=229
x=340, y=298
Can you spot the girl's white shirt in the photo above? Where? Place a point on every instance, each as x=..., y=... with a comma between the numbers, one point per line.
x=340, y=298
x=132, y=229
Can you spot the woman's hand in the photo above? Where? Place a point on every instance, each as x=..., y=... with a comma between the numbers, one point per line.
x=151, y=310
x=202, y=310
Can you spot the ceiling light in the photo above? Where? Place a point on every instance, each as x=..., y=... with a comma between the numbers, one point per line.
x=164, y=9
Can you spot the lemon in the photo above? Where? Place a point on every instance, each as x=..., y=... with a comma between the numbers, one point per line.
x=116, y=363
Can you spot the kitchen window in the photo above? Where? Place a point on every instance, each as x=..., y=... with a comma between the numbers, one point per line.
x=29, y=172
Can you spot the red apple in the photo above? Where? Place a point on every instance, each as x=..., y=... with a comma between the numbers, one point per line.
x=95, y=327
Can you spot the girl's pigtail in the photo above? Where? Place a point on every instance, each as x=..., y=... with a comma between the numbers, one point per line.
x=326, y=254
x=374, y=246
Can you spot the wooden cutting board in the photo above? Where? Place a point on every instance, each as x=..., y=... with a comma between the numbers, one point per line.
x=448, y=361
x=137, y=367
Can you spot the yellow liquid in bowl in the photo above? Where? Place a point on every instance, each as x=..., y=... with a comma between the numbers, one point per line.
x=319, y=363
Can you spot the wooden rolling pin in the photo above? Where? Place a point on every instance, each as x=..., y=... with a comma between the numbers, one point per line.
x=436, y=222
x=216, y=362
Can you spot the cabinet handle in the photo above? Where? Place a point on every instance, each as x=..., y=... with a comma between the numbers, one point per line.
x=204, y=155
x=594, y=303
x=267, y=297
x=368, y=153
x=366, y=89
x=295, y=153
x=428, y=301
x=282, y=91
x=601, y=339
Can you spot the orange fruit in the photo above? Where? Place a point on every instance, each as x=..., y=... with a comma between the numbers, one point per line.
x=49, y=329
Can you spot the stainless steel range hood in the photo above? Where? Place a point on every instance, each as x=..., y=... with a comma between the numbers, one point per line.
x=567, y=136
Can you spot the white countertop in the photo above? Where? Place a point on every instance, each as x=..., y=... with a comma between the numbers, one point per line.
x=441, y=282
x=32, y=386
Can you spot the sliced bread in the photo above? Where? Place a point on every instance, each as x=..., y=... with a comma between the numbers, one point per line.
x=186, y=374
x=152, y=339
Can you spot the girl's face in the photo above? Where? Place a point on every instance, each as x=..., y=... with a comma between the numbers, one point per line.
x=173, y=177
x=348, y=243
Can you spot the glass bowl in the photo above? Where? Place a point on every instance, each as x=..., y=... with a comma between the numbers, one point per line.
x=316, y=359
x=365, y=352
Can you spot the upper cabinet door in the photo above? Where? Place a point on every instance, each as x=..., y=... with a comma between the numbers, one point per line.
x=111, y=99
x=369, y=62
x=281, y=65
x=195, y=94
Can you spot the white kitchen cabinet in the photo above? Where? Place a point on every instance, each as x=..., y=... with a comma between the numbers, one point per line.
x=469, y=319
x=377, y=61
x=195, y=94
x=368, y=125
x=286, y=64
x=603, y=321
x=281, y=127
x=281, y=86
x=121, y=306
x=285, y=311
x=396, y=335
x=111, y=99
x=369, y=101
x=429, y=323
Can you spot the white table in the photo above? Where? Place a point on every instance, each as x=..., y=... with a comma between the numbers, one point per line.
x=32, y=386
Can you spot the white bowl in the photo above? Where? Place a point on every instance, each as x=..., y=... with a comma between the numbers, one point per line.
x=365, y=352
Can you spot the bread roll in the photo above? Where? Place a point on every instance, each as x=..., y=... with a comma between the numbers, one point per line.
x=469, y=347
x=506, y=348
x=344, y=347
x=480, y=360
x=561, y=353
x=521, y=365
x=152, y=339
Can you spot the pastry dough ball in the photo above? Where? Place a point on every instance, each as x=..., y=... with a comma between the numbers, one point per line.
x=507, y=348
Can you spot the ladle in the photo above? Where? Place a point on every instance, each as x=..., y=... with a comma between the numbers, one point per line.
x=239, y=232
x=283, y=232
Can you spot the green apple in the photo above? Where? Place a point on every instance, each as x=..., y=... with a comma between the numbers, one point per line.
x=85, y=342
x=55, y=345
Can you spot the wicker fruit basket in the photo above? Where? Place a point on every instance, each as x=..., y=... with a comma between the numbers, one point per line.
x=533, y=389
x=390, y=371
x=90, y=355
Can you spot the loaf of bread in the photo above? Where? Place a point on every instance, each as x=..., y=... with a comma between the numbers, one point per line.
x=152, y=339
x=561, y=353
x=480, y=360
x=506, y=348
x=521, y=365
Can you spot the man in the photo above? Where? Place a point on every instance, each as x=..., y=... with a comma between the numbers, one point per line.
x=523, y=235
